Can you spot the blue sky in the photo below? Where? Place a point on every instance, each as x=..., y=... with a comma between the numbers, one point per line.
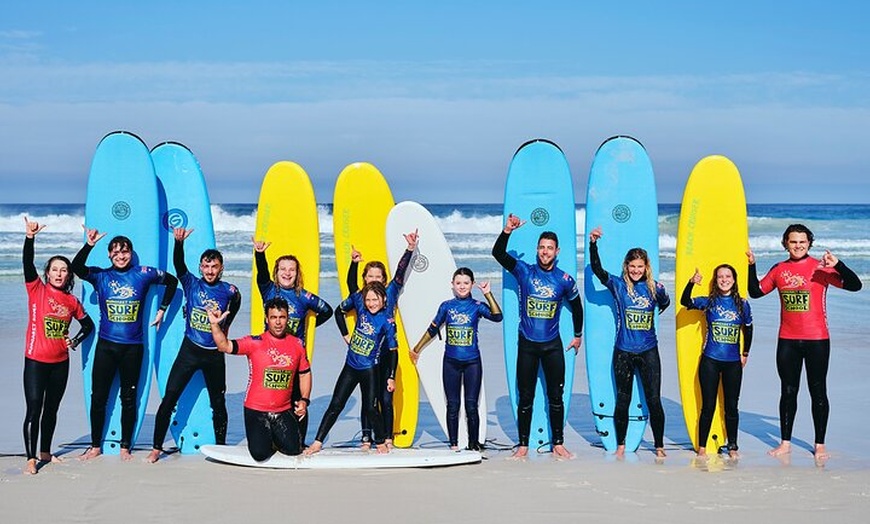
x=439, y=95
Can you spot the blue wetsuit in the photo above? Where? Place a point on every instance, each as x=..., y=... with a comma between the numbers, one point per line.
x=462, y=364
x=541, y=292
x=636, y=346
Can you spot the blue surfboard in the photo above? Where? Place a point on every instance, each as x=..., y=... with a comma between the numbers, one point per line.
x=540, y=191
x=621, y=198
x=122, y=200
x=184, y=203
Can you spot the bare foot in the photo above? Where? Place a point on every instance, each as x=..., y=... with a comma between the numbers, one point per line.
x=90, y=453
x=561, y=453
x=366, y=445
x=126, y=456
x=783, y=449
x=315, y=447
x=48, y=457
x=660, y=453
x=389, y=443
x=702, y=452
x=620, y=451
x=821, y=455
x=153, y=457
x=521, y=453
x=732, y=453
x=383, y=449
x=454, y=448
x=31, y=468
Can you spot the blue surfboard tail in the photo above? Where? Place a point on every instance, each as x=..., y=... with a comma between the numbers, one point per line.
x=538, y=140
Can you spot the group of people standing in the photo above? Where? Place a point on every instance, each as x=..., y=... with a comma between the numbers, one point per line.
x=276, y=403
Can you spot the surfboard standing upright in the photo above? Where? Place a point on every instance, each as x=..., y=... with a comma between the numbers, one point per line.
x=122, y=200
x=540, y=191
x=287, y=217
x=713, y=230
x=427, y=285
x=621, y=198
x=184, y=203
x=361, y=203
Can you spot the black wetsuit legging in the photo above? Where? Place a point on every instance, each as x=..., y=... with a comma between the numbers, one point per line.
x=191, y=358
x=457, y=374
x=648, y=366
x=344, y=385
x=709, y=372
x=384, y=400
x=550, y=357
x=126, y=360
x=267, y=431
x=44, y=385
x=790, y=356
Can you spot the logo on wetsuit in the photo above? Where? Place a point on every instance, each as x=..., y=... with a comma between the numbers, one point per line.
x=460, y=336
x=54, y=328
x=199, y=320
x=121, y=311
x=797, y=301
x=638, y=320
x=536, y=308
x=275, y=378
x=292, y=326
x=725, y=333
x=361, y=345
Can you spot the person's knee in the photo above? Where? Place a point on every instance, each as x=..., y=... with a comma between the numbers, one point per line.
x=261, y=454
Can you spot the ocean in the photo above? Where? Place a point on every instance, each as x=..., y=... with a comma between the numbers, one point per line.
x=471, y=230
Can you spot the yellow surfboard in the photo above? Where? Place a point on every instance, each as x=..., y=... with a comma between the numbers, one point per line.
x=713, y=230
x=287, y=217
x=361, y=203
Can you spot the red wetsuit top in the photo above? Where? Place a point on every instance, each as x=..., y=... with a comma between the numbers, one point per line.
x=803, y=286
x=272, y=362
x=49, y=314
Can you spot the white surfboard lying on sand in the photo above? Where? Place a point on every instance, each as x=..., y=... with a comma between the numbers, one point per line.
x=350, y=458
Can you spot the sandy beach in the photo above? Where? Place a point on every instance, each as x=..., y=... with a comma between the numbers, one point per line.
x=756, y=488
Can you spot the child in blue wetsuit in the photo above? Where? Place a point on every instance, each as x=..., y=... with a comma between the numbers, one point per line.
x=637, y=296
x=375, y=271
x=374, y=329
x=727, y=314
x=462, y=367
x=286, y=281
x=121, y=290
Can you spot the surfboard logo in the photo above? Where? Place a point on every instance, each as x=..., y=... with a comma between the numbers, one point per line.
x=174, y=218
x=421, y=263
x=621, y=213
x=121, y=210
x=539, y=216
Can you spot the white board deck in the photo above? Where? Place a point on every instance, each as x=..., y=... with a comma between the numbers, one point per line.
x=333, y=458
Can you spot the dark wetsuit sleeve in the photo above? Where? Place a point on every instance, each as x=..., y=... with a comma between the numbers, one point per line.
x=394, y=362
x=577, y=315
x=662, y=298
x=233, y=307
x=686, y=298
x=323, y=315
x=402, y=268
x=171, y=284
x=595, y=263
x=499, y=252
x=752, y=284
x=87, y=327
x=30, y=273
x=747, y=339
x=263, y=277
x=340, y=321
x=851, y=282
x=352, y=281
x=78, y=262
x=178, y=259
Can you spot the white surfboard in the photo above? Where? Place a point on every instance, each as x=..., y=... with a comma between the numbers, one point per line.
x=427, y=285
x=332, y=458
